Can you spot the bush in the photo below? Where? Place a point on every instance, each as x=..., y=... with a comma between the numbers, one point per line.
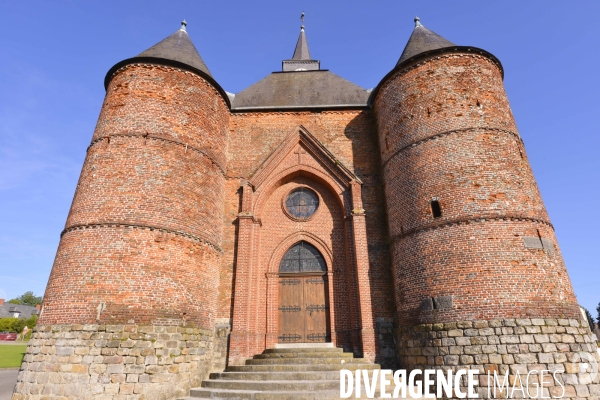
x=17, y=324
x=6, y=324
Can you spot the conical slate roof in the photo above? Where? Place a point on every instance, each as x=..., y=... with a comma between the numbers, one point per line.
x=178, y=47
x=421, y=41
x=301, y=52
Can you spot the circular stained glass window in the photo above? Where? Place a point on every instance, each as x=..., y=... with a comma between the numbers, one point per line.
x=302, y=203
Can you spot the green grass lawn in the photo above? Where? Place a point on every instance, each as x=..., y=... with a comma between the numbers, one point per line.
x=11, y=355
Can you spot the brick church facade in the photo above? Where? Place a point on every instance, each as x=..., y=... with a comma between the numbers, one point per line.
x=402, y=223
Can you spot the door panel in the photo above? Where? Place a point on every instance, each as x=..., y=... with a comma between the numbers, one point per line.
x=291, y=310
x=303, y=309
x=316, y=309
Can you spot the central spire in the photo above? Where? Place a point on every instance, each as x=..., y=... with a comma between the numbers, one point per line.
x=301, y=60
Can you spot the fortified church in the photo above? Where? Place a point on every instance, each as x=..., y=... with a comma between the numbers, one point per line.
x=303, y=224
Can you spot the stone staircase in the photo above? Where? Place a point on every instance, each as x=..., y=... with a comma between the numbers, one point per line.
x=291, y=372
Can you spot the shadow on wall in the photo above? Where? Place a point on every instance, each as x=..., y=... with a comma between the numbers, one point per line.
x=362, y=132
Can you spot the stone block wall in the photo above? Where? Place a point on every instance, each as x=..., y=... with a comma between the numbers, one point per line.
x=501, y=345
x=118, y=361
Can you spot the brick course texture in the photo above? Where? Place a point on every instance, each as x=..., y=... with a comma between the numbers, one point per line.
x=142, y=242
x=447, y=134
x=439, y=250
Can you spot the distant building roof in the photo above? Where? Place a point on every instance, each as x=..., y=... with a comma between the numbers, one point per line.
x=9, y=309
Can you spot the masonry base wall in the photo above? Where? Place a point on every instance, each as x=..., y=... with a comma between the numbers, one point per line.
x=501, y=345
x=119, y=361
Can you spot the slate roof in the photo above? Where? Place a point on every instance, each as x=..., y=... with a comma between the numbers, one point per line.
x=302, y=83
x=177, y=51
x=422, y=40
x=301, y=89
x=8, y=309
x=177, y=47
x=425, y=42
x=301, y=60
x=301, y=52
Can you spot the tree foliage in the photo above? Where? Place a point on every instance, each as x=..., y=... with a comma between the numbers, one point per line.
x=27, y=299
x=31, y=321
x=11, y=324
x=589, y=318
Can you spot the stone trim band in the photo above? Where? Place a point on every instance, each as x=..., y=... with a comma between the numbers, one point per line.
x=446, y=133
x=463, y=220
x=139, y=226
x=147, y=136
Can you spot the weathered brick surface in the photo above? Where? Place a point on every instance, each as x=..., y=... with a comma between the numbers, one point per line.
x=446, y=133
x=349, y=136
x=144, y=232
x=143, y=276
x=156, y=100
x=178, y=226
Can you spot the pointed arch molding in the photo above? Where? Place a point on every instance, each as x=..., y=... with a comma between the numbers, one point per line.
x=255, y=330
x=331, y=165
x=288, y=242
x=330, y=171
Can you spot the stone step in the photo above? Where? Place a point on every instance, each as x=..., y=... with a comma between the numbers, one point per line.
x=272, y=385
x=304, y=360
x=272, y=395
x=304, y=354
x=301, y=367
x=290, y=372
x=304, y=350
x=304, y=345
x=280, y=376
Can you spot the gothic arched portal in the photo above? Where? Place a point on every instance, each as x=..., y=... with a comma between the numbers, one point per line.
x=303, y=299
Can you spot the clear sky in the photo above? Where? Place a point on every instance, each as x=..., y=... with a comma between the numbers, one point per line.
x=54, y=55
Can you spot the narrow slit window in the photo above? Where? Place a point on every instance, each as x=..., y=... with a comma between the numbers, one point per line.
x=436, y=210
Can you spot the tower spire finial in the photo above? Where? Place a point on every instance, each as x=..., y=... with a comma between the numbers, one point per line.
x=417, y=22
x=302, y=19
x=183, y=25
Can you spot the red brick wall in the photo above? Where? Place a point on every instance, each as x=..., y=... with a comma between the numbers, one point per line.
x=351, y=137
x=145, y=228
x=446, y=131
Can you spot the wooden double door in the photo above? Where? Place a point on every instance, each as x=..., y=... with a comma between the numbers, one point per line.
x=303, y=309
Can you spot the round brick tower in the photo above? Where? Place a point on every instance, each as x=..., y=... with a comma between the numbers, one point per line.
x=138, y=261
x=476, y=263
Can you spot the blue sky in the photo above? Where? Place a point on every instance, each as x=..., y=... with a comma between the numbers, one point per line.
x=54, y=56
